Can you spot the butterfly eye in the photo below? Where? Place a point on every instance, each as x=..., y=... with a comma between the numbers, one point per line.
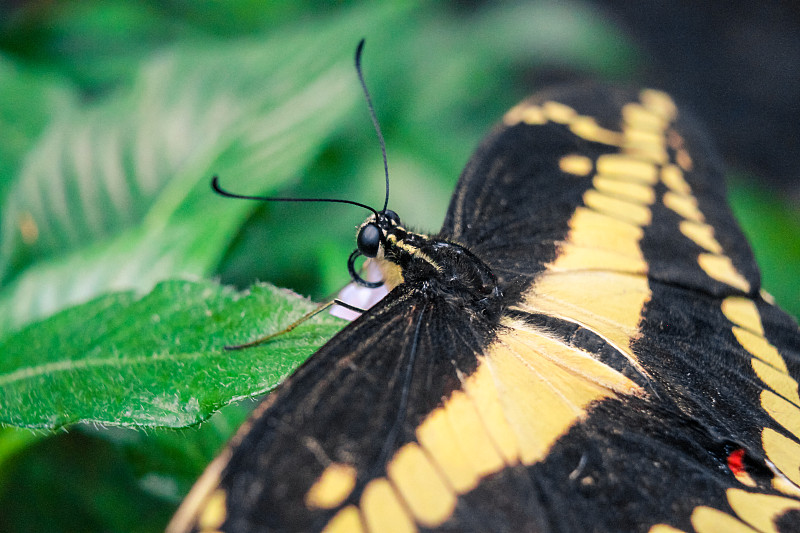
x=369, y=240
x=392, y=217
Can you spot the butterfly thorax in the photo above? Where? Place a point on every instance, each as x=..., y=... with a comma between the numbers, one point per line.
x=432, y=264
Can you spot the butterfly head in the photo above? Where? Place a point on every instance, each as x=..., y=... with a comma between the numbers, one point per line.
x=381, y=231
x=372, y=233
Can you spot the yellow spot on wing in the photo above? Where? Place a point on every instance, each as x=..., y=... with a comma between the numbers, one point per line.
x=783, y=411
x=659, y=103
x=652, y=139
x=596, y=231
x=618, y=208
x=626, y=178
x=744, y=478
x=701, y=234
x=743, y=312
x=654, y=154
x=647, y=145
x=348, y=520
x=588, y=129
x=536, y=411
x=204, y=491
x=633, y=192
x=514, y=115
x=419, y=483
x=481, y=389
x=558, y=112
x=533, y=116
x=383, y=510
x=760, y=347
x=684, y=159
x=333, y=486
x=542, y=399
x=709, y=520
x=782, y=484
x=578, y=165
x=579, y=258
x=674, y=180
x=213, y=515
x=770, y=299
x=608, y=303
x=529, y=114
x=622, y=165
x=472, y=437
x=638, y=117
x=528, y=389
x=664, y=528
x=685, y=206
x=437, y=437
x=600, y=240
x=534, y=348
x=720, y=268
x=783, y=452
x=760, y=510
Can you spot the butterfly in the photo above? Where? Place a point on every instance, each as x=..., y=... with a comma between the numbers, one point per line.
x=584, y=345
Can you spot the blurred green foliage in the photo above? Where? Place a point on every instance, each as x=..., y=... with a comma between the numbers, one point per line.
x=115, y=114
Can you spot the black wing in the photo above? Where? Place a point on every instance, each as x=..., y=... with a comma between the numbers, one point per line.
x=322, y=443
x=628, y=249
x=637, y=379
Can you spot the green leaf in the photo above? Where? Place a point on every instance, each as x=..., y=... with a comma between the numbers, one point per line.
x=157, y=360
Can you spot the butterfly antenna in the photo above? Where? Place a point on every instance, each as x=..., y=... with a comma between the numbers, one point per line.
x=222, y=192
x=374, y=118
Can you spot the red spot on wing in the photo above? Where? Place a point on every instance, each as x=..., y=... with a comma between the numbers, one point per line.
x=736, y=466
x=736, y=462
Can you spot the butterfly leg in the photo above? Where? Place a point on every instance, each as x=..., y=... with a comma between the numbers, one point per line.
x=290, y=327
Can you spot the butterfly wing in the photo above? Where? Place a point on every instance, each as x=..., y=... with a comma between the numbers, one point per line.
x=323, y=448
x=637, y=379
x=579, y=167
x=604, y=214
